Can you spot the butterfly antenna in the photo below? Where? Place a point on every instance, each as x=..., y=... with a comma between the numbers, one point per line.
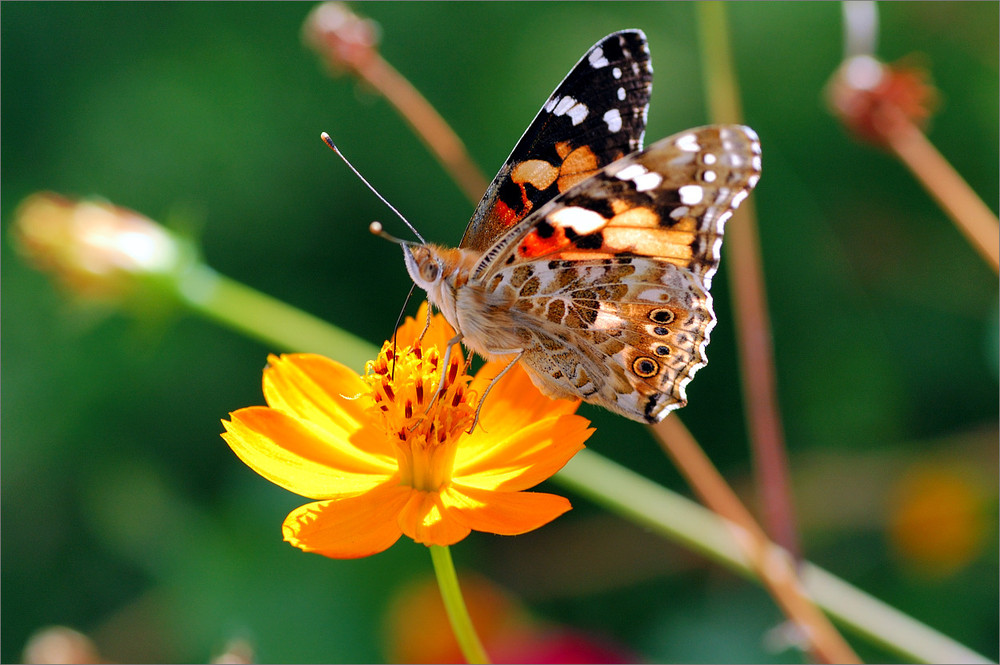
x=333, y=146
x=399, y=318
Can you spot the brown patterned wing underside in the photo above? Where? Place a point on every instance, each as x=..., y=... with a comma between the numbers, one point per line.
x=627, y=334
x=670, y=201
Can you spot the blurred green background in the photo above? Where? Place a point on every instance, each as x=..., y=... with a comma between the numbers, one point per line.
x=125, y=515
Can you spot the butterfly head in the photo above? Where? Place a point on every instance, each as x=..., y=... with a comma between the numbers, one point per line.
x=426, y=268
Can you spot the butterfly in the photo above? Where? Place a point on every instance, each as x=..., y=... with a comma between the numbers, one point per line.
x=589, y=259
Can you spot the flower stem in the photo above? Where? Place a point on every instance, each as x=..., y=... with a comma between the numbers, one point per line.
x=454, y=605
x=267, y=319
x=643, y=502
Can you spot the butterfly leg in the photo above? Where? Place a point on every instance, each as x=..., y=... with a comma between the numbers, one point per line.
x=457, y=339
x=427, y=325
x=486, y=392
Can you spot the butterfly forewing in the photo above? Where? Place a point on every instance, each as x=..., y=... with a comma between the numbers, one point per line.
x=595, y=116
x=670, y=201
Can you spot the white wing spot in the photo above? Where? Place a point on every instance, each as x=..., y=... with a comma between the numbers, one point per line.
x=688, y=143
x=614, y=120
x=642, y=179
x=607, y=319
x=679, y=212
x=708, y=159
x=738, y=198
x=551, y=104
x=621, y=94
x=597, y=59
x=569, y=106
x=579, y=219
x=631, y=171
x=647, y=181
x=691, y=194
x=708, y=176
x=616, y=72
x=577, y=113
x=563, y=105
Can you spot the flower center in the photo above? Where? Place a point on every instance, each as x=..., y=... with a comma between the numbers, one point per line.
x=424, y=430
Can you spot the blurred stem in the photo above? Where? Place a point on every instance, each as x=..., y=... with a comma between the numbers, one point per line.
x=746, y=280
x=773, y=565
x=427, y=124
x=621, y=491
x=642, y=501
x=973, y=218
x=268, y=320
x=454, y=605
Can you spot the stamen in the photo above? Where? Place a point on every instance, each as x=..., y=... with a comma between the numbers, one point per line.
x=420, y=392
x=408, y=409
x=388, y=390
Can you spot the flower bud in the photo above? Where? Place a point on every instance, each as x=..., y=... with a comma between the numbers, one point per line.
x=94, y=249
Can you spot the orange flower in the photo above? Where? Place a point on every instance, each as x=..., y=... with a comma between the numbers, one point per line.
x=384, y=459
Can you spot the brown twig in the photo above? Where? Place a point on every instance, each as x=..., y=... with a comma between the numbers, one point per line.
x=773, y=566
x=753, y=328
x=348, y=42
x=972, y=217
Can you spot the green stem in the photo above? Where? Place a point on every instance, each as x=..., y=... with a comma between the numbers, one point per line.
x=454, y=605
x=644, y=502
x=273, y=322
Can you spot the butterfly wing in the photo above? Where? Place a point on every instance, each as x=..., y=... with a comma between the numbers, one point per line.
x=595, y=116
x=627, y=334
x=619, y=266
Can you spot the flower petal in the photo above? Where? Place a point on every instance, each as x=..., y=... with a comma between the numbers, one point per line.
x=425, y=520
x=290, y=453
x=348, y=528
x=320, y=391
x=504, y=513
x=515, y=401
x=523, y=459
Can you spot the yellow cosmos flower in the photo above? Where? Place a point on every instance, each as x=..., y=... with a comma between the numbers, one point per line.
x=383, y=458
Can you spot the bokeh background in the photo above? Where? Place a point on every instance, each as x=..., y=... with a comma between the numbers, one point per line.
x=124, y=514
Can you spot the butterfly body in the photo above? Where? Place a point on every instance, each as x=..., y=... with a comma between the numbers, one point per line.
x=589, y=259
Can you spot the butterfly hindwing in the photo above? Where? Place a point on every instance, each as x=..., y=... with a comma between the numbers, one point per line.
x=626, y=333
x=595, y=116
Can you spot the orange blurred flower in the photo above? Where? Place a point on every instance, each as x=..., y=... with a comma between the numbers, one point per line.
x=384, y=459
x=939, y=519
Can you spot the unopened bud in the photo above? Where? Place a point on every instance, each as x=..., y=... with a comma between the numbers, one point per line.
x=343, y=39
x=95, y=249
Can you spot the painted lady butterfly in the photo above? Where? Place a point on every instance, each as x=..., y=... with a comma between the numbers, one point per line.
x=590, y=260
